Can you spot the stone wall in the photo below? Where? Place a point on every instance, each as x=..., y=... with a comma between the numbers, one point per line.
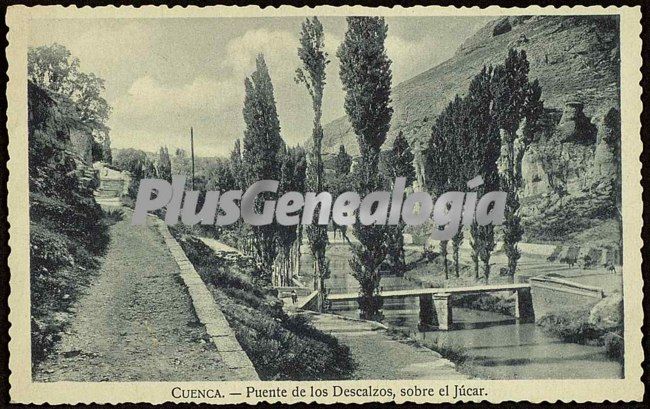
x=553, y=295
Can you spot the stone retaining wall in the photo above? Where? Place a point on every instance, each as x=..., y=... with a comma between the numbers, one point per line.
x=552, y=295
x=208, y=312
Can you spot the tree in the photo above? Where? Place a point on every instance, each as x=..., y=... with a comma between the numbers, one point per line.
x=312, y=74
x=149, y=171
x=261, y=159
x=339, y=182
x=107, y=153
x=236, y=167
x=218, y=175
x=465, y=144
x=54, y=68
x=515, y=99
x=292, y=180
x=398, y=163
x=342, y=162
x=366, y=76
x=164, y=170
x=181, y=163
x=132, y=161
x=439, y=160
x=482, y=153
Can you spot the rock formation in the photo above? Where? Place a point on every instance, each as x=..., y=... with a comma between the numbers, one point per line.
x=571, y=159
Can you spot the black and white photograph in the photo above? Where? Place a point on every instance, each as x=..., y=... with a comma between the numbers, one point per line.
x=436, y=199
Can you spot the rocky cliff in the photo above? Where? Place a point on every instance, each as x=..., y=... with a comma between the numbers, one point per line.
x=572, y=164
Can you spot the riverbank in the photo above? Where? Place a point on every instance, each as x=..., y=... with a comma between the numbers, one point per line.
x=281, y=346
x=381, y=354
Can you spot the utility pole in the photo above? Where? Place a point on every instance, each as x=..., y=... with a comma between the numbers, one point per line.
x=192, y=150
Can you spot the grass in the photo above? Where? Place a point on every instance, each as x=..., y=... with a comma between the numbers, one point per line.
x=281, y=347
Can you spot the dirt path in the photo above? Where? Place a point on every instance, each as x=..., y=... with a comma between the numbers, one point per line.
x=379, y=356
x=136, y=322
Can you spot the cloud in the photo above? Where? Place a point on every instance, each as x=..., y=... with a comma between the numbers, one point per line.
x=278, y=46
x=409, y=57
x=147, y=98
x=153, y=114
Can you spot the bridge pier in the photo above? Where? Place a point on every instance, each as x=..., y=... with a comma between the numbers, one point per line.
x=524, y=311
x=428, y=316
x=442, y=303
x=435, y=311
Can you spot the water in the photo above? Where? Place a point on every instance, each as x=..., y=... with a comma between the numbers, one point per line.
x=501, y=348
x=498, y=346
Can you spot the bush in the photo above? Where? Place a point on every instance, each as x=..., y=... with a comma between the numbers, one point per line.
x=614, y=345
x=281, y=347
x=485, y=302
x=571, y=326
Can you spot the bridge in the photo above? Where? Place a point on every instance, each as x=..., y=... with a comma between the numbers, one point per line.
x=435, y=303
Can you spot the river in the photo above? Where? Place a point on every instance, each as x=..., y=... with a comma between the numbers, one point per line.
x=497, y=346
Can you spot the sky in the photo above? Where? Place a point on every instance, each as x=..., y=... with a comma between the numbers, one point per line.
x=164, y=76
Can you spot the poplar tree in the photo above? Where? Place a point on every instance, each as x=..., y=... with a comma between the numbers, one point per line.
x=440, y=157
x=292, y=179
x=366, y=76
x=399, y=163
x=312, y=74
x=457, y=153
x=342, y=162
x=262, y=144
x=515, y=99
x=338, y=183
x=164, y=169
x=236, y=166
x=481, y=156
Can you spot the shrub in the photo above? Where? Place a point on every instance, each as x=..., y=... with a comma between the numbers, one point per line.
x=614, y=345
x=571, y=326
x=485, y=302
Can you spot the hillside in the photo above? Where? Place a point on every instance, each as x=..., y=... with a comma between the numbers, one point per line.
x=573, y=57
x=570, y=171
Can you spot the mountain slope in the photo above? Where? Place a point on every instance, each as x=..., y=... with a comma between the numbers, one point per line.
x=574, y=58
x=571, y=169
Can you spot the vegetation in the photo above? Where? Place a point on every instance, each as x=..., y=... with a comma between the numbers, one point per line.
x=138, y=164
x=572, y=325
x=476, y=134
x=485, y=302
x=398, y=162
x=164, y=168
x=67, y=228
x=516, y=99
x=312, y=75
x=281, y=347
x=338, y=182
x=53, y=68
x=292, y=179
x=262, y=144
x=366, y=76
